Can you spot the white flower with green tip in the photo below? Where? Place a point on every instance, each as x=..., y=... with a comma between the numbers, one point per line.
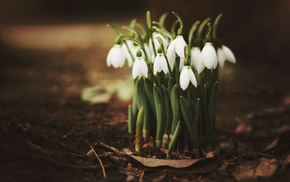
x=209, y=56
x=160, y=64
x=177, y=46
x=140, y=67
x=187, y=76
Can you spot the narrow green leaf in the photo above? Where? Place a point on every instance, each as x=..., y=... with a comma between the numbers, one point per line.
x=130, y=120
x=174, y=139
x=149, y=91
x=188, y=118
x=160, y=114
x=139, y=127
x=174, y=97
x=168, y=110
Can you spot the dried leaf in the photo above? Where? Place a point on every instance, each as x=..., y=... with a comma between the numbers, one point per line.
x=264, y=167
x=183, y=163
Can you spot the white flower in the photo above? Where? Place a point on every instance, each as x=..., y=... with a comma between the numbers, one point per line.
x=224, y=53
x=116, y=57
x=160, y=64
x=156, y=42
x=196, y=61
x=140, y=68
x=127, y=54
x=187, y=76
x=208, y=56
x=176, y=46
x=133, y=49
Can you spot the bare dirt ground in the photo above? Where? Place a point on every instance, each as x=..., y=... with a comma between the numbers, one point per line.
x=47, y=129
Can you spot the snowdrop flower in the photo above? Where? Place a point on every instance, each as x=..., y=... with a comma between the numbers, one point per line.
x=126, y=52
x=116, y=57
x=133, y=49
x=196, y=62
x=156, y=42
x=140, y=67
x=187, y=76
x=176, y=46
x=224, y=53
x=208, y=56
x=160, y=63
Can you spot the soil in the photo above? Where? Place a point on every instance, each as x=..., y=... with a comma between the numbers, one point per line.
x=47, y=129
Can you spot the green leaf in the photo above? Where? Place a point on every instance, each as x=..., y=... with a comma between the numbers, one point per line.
x=188, y=118
x=160, y=114
x=131, y=121
x=149, y=91
x=168, y=110
x=174, y=139
x=139, y=127
x=174, y=97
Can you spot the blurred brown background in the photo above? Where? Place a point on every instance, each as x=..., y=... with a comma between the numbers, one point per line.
x=255, y=30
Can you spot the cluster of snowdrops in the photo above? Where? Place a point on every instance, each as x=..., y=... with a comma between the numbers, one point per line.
x=175, y=82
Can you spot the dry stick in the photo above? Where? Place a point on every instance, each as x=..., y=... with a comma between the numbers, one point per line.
x=103, y=169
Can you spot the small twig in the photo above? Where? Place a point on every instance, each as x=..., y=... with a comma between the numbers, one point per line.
x=250, y=153
x=117, y=152
x=103, y=169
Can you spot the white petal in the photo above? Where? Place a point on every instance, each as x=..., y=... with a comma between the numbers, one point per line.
x=164, y=66
x=171, y=53
x=156, y=42
x=127, y=55
x=192, y=77
x=195, y=53
x=209, y=56
x=221, y=57
x=228, y=54
x=147, y=49
x=199, y=66
x=180, y=45
x=181, y=63
x=184, y=78
x=144, y=68
x=117, y=56
x=109, y=62
x=136, y=71
x=157, y=65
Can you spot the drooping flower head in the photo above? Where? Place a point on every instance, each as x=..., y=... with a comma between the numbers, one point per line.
x=116, y=57
x=177, y=46
x=160, y=63
x=208, y=56
x=140, y=67
x=223, y=54
x=187, y=76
